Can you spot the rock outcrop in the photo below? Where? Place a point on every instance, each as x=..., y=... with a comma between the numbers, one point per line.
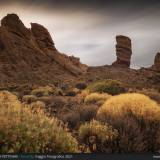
x=156, y=65
x=123, y=51
x=29, y=55
x=157, y=61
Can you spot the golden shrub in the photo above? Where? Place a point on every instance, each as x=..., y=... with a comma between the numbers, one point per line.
x=27, y=131
x=43, y=91
x=96, y=134
x=136, y=117
x=96, y=98
x=152, y=93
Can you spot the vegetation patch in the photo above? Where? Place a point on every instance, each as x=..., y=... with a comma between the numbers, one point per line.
x=96, y=135
x=96, y=98
x=112, y=87
x=137, y=119
x=23, y=130
x=43, y=91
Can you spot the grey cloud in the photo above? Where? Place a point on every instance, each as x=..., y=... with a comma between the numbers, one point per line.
x=88, y=30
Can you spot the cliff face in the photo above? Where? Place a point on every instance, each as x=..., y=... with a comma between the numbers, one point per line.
x=29, y=55
x=123, y=51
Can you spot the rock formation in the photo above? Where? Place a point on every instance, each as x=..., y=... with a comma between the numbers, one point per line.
x=156, y=65
x=123, y=51
x=30, y=54
x=157, y=61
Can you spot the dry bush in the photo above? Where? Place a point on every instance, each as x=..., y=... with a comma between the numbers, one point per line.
x=112, y=87
x=83, y=95
x=81, y=85
x=43, y=91
x=137, y=119
x=96, y=98
x=87, y=112
x=153, y=94
x=97, y=136
x=72, y=119
x=29, y=99
x=25, y=131
x=72, y=92
x=38, y=105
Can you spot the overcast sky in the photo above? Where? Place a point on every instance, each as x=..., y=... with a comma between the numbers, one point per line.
x=87, y=28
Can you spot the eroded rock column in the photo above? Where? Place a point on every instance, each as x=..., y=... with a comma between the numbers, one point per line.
x=123, y=51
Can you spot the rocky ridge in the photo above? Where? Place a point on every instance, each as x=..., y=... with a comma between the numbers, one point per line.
x=30, y=54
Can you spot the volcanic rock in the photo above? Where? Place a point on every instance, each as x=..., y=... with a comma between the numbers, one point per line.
x=123, y=51
x=30, y=56
x=157, y=61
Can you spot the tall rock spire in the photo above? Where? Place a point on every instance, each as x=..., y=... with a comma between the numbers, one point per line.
x=123, y=51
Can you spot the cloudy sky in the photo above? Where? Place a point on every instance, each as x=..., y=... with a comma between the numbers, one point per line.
x=87, y=28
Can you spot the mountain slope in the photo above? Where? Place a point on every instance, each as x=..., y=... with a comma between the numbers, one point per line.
x=29, y=55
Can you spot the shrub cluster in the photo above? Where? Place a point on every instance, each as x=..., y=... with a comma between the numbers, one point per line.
x=112, y=87
x=96, y=135
x=25, y=131
x=137, y=119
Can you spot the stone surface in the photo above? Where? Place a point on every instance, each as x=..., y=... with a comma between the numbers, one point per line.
x=123, y=51
x=157, y=61
x=30, y=56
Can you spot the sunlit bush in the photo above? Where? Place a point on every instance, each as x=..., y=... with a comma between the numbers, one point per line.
x=26, y=131
x=153, y=94
x=109, y=86
x=96, y=98
x=97, y=135
x=137, y=119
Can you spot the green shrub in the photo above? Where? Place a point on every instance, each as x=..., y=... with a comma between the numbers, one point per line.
x=43, y=91
x=137, y=119
x=25, y=131
x=96, y=135
x=96, y=98
x=112, y=87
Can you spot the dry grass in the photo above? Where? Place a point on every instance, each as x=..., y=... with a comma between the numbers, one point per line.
x=27, y=131
x=43, y=91
x=29, y=99
x=153, y=94
x=96, y=98
x=137, y=118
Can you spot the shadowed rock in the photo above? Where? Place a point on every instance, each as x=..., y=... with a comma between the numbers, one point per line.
x=157, y=61
x=156, y=65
